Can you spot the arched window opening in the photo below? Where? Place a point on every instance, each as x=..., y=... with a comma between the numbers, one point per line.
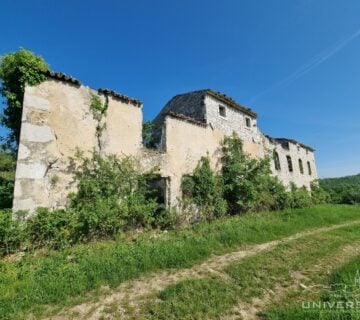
x=277, y=161
x=290, y=166
x=301, y=167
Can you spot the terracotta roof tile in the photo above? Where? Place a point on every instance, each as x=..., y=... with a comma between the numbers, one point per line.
x=121, y=97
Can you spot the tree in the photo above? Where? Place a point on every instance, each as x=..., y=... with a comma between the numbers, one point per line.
x=244, y=177
x=148, y=134
x=18, y=69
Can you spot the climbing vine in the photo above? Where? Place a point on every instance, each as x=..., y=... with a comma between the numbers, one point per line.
x=98, y=110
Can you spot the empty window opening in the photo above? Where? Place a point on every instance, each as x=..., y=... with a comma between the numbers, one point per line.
x=309, y=168
x=277, y=161
x=157, y=186
x=301, y=167
x=222, y=111
x=290, y=166
x=285, y=145
x=248, y=122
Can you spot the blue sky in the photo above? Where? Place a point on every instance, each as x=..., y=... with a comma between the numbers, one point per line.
x=295, y=62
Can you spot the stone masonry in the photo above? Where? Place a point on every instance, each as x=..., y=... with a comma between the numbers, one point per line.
x=57, y=121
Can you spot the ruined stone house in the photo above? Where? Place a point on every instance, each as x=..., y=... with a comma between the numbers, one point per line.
x=57, y=120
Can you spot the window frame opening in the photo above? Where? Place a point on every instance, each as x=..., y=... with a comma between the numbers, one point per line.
x=309, y=168
x=290, y=164
x=277, y=161
x=222, y=111
x=301, y=166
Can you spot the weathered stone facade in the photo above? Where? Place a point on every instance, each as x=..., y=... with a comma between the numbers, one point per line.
x=57, y=121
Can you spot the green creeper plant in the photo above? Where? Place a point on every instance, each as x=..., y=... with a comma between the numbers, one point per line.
x=98, y=110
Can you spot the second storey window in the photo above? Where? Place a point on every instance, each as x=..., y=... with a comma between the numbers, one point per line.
x=290, y=166
x=222, y=111
x=248, y=122
x=277, y=161
x=309, y=168
x=301, y=167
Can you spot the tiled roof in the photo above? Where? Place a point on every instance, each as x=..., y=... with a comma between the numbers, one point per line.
x=121, y=97
x=62, y=77
x=185, y=118
x=292, y=141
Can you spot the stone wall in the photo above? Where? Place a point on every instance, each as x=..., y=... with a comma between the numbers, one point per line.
x=295, y=151
x=57, y=121
x=235, y=121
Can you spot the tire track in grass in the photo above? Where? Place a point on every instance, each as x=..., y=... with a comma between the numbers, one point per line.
x=130, y=294
x=252, y=310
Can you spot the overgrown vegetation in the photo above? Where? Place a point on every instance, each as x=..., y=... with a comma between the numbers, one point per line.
x=148, y=134
x=343, y=190
x=18, y=69
x=98, y=110
x=11, y=233
x=204, y=189
x=112, y=196
x=57, y=277
x=7, y=178
x=244, y=184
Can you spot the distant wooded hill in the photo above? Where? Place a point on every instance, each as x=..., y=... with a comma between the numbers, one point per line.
x=344, y=189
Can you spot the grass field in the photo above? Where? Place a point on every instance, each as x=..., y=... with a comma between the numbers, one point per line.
x=267, y=277
x=344, y=303
x=58, y=279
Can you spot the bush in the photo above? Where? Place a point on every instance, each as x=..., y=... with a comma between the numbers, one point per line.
x=272, y=195
x=299, y=197
x=204, y=190
x=11, y=233
x=318, y=194
x=243, y=176
x=112, y=195
x=54, y=229
x=7, y=178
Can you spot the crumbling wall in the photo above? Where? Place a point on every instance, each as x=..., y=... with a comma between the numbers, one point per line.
x=57, y=121
x=295, y=151
x=186, y=142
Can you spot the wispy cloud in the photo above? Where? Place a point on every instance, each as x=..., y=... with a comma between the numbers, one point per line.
x=309, y=65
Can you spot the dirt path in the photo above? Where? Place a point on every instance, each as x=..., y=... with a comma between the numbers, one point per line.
x=131, y=293
x=250, y=311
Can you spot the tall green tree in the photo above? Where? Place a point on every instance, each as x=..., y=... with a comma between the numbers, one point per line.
x=244, y=177
x=18, y=69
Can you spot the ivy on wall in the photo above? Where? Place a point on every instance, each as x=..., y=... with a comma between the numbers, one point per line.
x=98, y=110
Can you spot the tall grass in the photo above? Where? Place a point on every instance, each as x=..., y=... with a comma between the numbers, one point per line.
x=57, y=277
